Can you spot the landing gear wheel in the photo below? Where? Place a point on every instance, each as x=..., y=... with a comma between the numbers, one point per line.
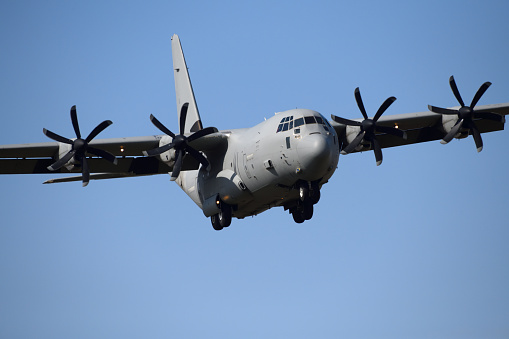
x=297, y=216
x=303, y=191
x=307, y=209
x=314, y=193
x=215, y=222
x=225, y=215
x=302, y=212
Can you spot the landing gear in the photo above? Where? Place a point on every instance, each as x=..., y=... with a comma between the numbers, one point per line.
x=303, y=211
x=223, y=218
x=309, y=194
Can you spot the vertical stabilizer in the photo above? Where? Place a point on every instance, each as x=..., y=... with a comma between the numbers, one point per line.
x=184, y=90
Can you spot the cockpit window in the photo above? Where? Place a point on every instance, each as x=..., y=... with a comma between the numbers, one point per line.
x=310, y=120
x=288, y=123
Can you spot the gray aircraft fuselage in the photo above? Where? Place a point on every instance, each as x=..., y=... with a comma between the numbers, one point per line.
x=263, y=164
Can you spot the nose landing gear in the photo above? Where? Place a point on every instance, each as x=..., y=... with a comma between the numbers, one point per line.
x=309, y=194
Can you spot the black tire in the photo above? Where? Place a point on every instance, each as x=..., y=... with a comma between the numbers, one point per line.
x=315, y=195
x=215, y=222
x=307, y=209
x=297, y=216
x=225, y=216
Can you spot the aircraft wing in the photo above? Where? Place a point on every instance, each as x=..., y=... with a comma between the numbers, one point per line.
x=420, y=127
x=36, y=157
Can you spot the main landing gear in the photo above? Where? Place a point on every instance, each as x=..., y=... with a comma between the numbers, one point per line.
x=223, y=218
x=309, y=194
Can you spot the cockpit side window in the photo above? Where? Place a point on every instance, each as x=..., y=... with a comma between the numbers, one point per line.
x=285, y=124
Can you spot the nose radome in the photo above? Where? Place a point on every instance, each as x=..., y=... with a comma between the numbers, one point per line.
x=315, y=155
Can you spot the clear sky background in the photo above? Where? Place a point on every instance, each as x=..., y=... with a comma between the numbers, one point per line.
x=415, y=248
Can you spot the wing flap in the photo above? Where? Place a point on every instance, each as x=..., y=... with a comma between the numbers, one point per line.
x=136, y=166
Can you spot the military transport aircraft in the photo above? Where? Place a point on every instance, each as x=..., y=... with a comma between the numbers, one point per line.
x=283, y=161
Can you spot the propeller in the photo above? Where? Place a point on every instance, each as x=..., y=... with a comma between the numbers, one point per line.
x=466, y=115
x=180, y=143
x=369, y=127
x=80, y=147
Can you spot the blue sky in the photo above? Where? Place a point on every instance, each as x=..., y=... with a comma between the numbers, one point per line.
x=414, y=248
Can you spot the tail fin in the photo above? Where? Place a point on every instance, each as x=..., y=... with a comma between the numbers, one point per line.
x=184, y=91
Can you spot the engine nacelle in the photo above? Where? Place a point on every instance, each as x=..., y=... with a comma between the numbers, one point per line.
x=351, y=133
x=448, y=122
x=63, y=149
x=167, y=157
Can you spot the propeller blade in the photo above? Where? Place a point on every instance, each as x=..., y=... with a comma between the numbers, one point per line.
x=183, y=117
x=489, y=116
x=98, y=129
x=103, y=154
x=452, y=132
x=161, y=127
x=476, y=135
x=201, y=133
x=391, y=130
x=198, y=156
x=440, y=110
x=159, y=150
x=346, y=121
x=56, y=137
x=480, y=93
x=383, y=108
x=454, y=88
x=378, y=151
x=178, y=165
x=351, y=146
x=358, y=98
x=62, y=161
x=85, y=171
x=74, y=120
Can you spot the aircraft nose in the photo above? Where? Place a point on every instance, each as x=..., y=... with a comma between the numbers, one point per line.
x=315, y=154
